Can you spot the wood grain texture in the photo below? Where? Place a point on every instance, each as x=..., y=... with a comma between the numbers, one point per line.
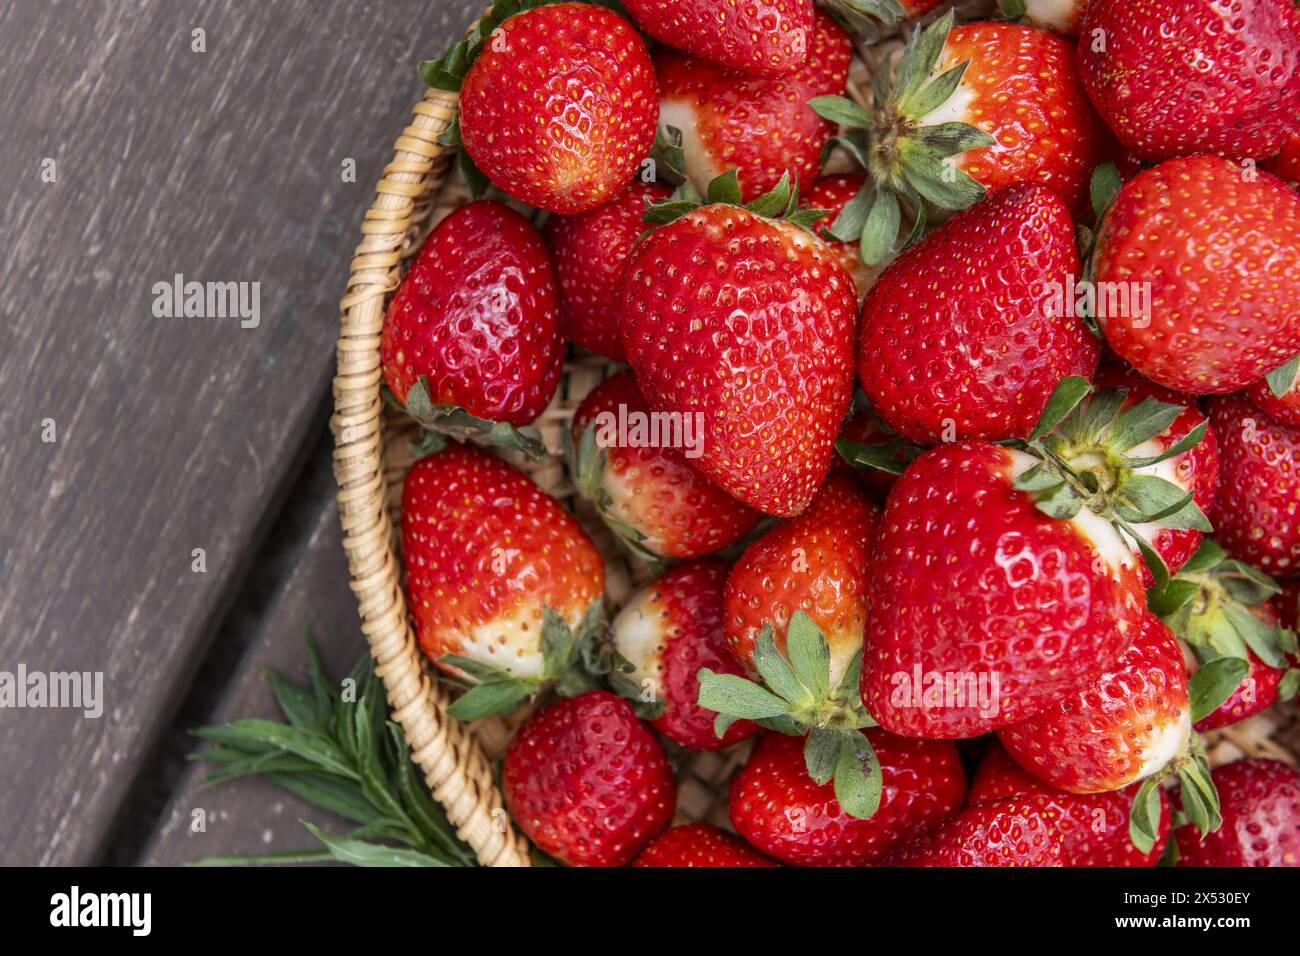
x=172, y=434
x=251, y=816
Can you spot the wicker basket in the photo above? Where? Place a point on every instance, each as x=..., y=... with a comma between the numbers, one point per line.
x=371, y=457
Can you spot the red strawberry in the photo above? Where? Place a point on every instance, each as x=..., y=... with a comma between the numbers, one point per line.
x=590, y=252
x=749, y=321
x=985, y=610
x=1182, y=77
x=1003, y=833
x=1094, y=827
x=768, y=36
x=665, y=634
x=816, y=563
x=1222, y=609
x=1125, y=726
x=559, y=107
x=1286, y=164
x=778, y=809
x=1261, y=818
x=1195, y=471
x=1284, y=408
x=475, y=313
x=833, y=193
x=652, y=496
x=698, y=844
x=1259, y=486
x=487, y=554
x=963, y=336
x=762, y=126
x=587, y=782
x=1217, y=258
x=1016, y=114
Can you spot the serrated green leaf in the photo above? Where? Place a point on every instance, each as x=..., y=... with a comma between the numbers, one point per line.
x=725, y=189
x=1144, y=421
x=810, y=655
x=1069, y=392
x=857, y=781
x=1144, y=816
x=483, y=700
x=1106, y=183
x=737, y=697
x=1213, y=683
x=841, y=110
x=821, y=753
x=776, y=670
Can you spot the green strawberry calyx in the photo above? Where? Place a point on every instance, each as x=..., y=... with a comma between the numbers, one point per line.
x=1200, y=798
x=1087, y=450
x=865, y=16
x=891, y=456
x=779, y=203
x=442, y=422
x=794, y=697
x=569, y=659
x=1208, y=604
x=905, y=161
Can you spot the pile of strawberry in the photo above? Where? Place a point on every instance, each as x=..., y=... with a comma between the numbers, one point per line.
x=992, y=371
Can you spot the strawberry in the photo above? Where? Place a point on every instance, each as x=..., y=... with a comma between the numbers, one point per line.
x=761, y=125
x=645, y=488
x=974, y=108
x=1124, y=726
x=816, y=563
x=471, y=336
x=779, y=810
x=1236, y=647
x=1278, y=395
x=588, y=782
x=1003, y=578
x=1182, y=77
x=768, y=36
x=1195, y=471
x=590, y=252
x=504, y=586
x=1261, y=818
x=1007, y=833
x=1133, y=723
x=557, y=103
x=749, y=321
x=795, y=618
x=833, y=193
x=1216, y=256
x=663, y=636
x=1094, y=827
x=963, y=336
x=698, y=844
x=1259, y=486
x=1286, y=164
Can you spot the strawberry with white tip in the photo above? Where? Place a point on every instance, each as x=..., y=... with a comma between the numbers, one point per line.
x=664, y=635
x=1133, y=723
x=1015, y=565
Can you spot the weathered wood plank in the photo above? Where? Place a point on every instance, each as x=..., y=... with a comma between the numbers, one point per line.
x=171, y=434
x=251, y=816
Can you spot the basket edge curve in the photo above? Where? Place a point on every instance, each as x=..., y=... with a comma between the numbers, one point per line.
x=454, y=766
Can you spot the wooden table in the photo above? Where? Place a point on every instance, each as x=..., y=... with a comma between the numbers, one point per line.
x=166, y=505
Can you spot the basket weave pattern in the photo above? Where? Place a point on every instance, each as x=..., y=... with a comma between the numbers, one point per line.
x=372, y=455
